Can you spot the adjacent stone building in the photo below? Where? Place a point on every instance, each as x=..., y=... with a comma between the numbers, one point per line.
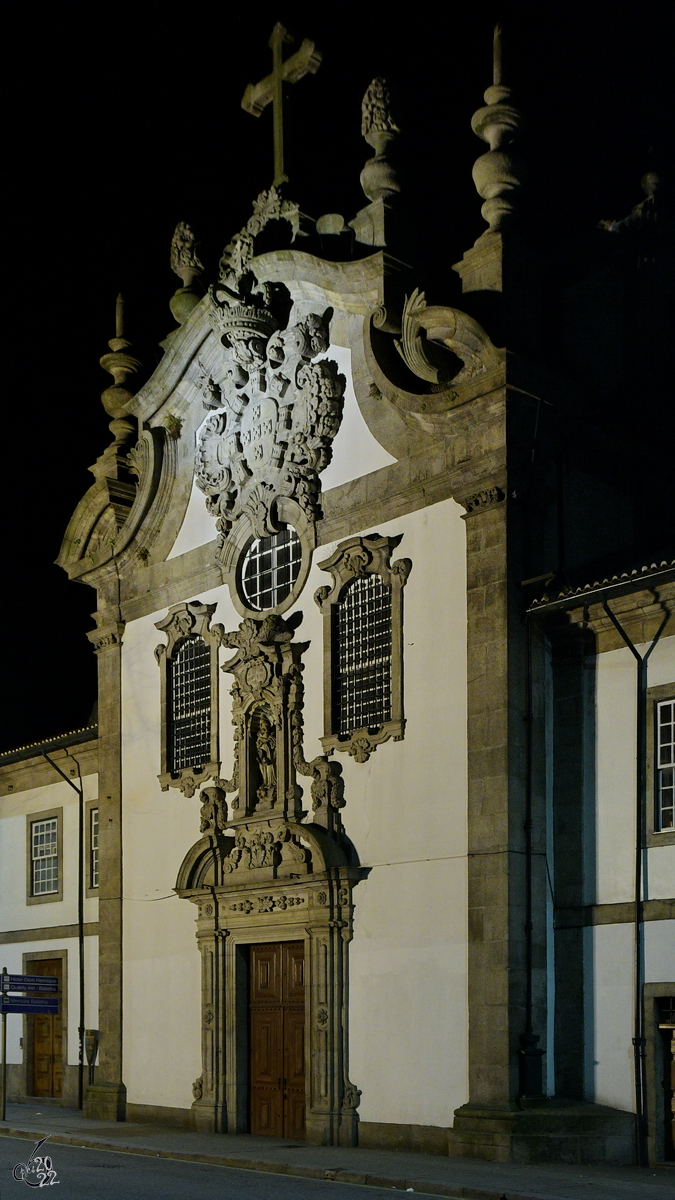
x=376, y=825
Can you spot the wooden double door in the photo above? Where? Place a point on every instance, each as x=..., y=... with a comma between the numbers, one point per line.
x=47, y=1037
x=277, y=1039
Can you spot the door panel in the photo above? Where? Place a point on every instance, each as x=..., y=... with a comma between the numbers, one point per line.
x=294, y=1073
x=277, y=1040
x=47, y=1037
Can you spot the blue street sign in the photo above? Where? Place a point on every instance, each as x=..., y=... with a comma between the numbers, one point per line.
x=29, y=983
x=25, y=1004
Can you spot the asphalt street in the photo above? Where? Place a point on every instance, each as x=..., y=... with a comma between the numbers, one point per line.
x=86, y=1174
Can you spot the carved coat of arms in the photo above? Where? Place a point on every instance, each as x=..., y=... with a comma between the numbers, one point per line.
x=278, y=409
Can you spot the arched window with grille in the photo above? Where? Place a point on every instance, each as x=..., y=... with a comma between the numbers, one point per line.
x=363, y=653
x=189, y=685
x=189, y=665
x=363, y=628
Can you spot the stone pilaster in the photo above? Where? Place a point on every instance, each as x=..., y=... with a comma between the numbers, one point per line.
x=106, y=1100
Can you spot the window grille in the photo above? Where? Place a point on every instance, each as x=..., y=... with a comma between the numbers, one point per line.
x=665, y=764
x=93, y=848
x=363, y=643
x=270, y=568
x=44, y=855
x=190, y=705
x=666, y=1010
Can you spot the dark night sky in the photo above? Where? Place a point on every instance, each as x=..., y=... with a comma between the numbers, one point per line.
x=122, y=124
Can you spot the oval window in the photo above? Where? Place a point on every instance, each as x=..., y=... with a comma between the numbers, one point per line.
x=270, y=568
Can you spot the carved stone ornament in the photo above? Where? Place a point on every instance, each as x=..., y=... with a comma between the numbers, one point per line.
x=378, y=177
x=277, y=877
x=370, y=555
x=438, y=326
x=276, y=410
x=185, y=261
x=267, y=701
x=500, y=174
x=182, y=622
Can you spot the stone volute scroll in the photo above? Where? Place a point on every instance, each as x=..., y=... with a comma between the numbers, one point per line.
x=363, y=637
x=188, y=663
x=426, y=329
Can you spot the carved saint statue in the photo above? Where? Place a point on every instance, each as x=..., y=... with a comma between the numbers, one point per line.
x=266, y=756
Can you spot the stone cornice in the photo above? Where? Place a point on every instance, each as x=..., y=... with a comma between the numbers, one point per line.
x=640, y=612
x=20, y=777
x=622, y=913
x=47, y=933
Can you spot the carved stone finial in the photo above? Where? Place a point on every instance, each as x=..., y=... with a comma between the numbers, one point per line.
x=187, y=265
x=499, y=173
x=378, y=178
x=113, y=468
x=122, y=367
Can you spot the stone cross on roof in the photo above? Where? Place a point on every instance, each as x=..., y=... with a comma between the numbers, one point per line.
x=258, y=95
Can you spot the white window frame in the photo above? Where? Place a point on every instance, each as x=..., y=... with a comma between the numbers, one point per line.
x=33, y=820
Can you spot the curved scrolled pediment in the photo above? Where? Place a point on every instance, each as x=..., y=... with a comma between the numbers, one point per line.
x=245, y=855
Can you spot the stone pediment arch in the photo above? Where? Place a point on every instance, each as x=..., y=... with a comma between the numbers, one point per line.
x=202, y=868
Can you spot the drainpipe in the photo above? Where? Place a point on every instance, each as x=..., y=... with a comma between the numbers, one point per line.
x=639, y=1041
x=77, y=787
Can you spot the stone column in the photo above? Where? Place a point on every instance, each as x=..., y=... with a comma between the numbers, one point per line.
x=106, y=1099
x=500, y=971
x=209, y=1108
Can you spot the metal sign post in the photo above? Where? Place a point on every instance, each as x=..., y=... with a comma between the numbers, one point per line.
x=3, y=1082
x=23, y=1004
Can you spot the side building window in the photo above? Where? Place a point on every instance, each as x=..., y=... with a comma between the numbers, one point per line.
x=661, y=765
x=189, y=696
x=91, y=848
x=665, y=763
x=44, y=856
x=363, y=627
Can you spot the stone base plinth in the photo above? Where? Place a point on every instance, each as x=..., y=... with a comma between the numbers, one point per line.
x=208, y=1116
x=554, y=1132
x=105, y=1102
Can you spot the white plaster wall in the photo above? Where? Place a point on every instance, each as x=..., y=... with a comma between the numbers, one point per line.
x=615, y=776
x=12, y=958
x=15, y=914
x=162, y=983
x=614, y=976
x=613, y=967
x=408, y=971
x=355, y=453
x=406, y=814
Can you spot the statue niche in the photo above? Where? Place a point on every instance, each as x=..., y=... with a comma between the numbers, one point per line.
x=263, y=766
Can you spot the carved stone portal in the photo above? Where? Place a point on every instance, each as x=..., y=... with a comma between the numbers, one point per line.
x=259, y=873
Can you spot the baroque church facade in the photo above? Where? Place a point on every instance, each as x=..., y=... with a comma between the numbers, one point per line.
x=376, y=839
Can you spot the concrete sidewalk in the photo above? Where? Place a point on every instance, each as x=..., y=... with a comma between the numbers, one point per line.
x=423, y=1173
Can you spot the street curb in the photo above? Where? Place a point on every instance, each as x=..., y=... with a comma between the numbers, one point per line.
x=337, y=1174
